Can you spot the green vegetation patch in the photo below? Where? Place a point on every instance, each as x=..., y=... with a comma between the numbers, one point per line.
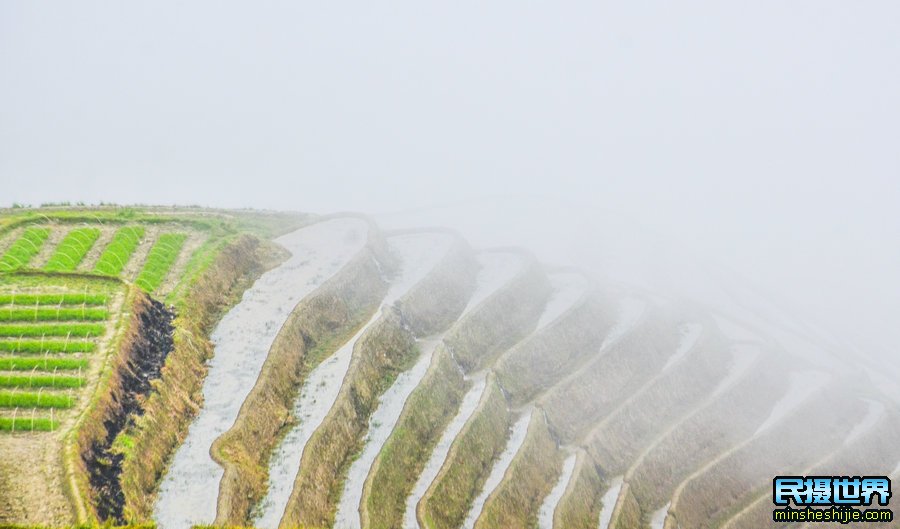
x=160, y=260
x=40, y=381
x=17, y=399
x=42, y=364
x=28, y=424
x=78, y=330
x=45, y=346
x=119, y=251
x=20, y=254
x=53, y=314
x=54, y=299
x=71, y=251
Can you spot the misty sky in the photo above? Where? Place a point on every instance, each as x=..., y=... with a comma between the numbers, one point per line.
x=764, y=133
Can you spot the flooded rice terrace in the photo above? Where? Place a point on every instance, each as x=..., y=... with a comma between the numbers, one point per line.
x=189, y=491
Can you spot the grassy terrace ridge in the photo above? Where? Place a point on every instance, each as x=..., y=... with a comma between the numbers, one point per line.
x=319, y=325
x=482, y=440
x=119, y=250
x=17, y=399
x=24, y=314
x=80, y=330
x=575, y=336
x=71, y=251
x=579, y=507
x=384, y=351
x=42, y=364
x=532, y=473
x=160, y=260
x=732, y=480
x=653, y=478
x=74, y=298
x=23, y=250
x=607, y=380
x=428, y=410
x=500, y=322
x=617, y=440
x=514, y=308
x=46, y=346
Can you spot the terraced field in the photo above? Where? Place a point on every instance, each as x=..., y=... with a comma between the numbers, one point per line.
x=345, y=376
x=88, y=300
x=47, y=342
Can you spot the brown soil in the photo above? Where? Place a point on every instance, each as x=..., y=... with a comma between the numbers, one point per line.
x=93, y=255
x=195, y=239
x=9, y=238
x=57, y=233
x=31, y=490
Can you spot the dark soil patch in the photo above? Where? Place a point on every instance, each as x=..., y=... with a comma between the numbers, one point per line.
x=146, y=355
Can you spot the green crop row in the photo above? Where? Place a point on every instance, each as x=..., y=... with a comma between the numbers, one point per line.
x=40, y=381
x=50, y=346
x=16, y=399
x=43, y=364
x=52, y=314
x=160, y=260
x=71, y=251
x=119, y=251
x=80, y=330
x=28, y=424
x=21, y=252
x=54, y=299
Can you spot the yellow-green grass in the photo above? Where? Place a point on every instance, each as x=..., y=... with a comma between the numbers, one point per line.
x=737, y=476
x=46, y=346
x=42, y=364
x=532, y=473
x=40, y=381
x=426, y=414
x=71, y=251
x=160, y=260
x=119, y=251
x=317, y=327
x=675, y=454
x=579, y=507
x=540, y=361
x=21, y=399
x=448, y=499
x=78, y=330
x=23, y=250
x=384, y=350
x=76, y=298
x=53, y=314
x=27, y=424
